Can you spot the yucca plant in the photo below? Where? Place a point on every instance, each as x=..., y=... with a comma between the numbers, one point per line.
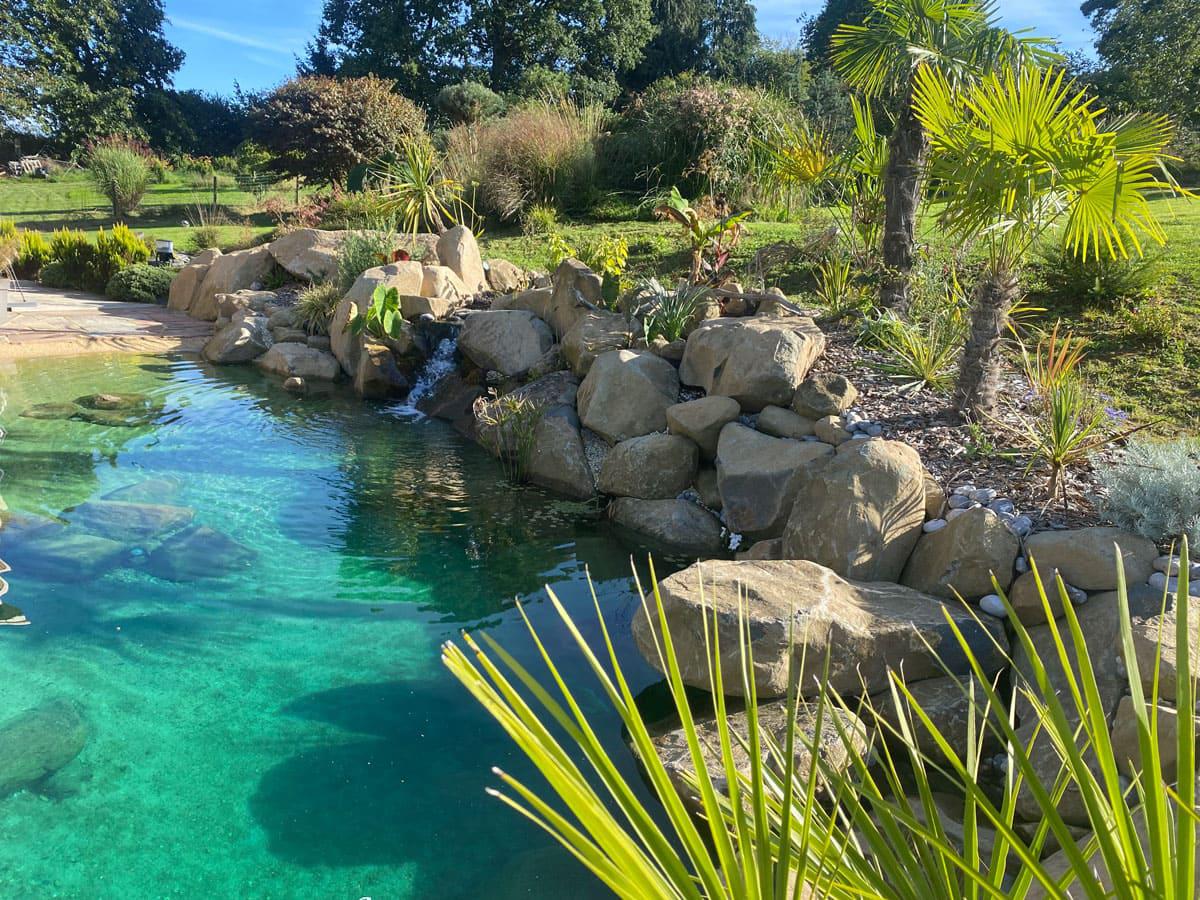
x=918, y=354
x=836, y=290
x=672, y=313
x=415, y=188
x=870, y=824
x=1017, y=153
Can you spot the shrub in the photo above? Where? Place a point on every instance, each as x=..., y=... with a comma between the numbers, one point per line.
x=539, y=219
x=74, y=254
x=114, y=250
x=33, y=252
x=362, y=250
x=543, y=153
x=316, y=305
x=1071, y=280
x=468, y=102
x=203, y=237
x=55, y=275
x=140, y=283
x=671, y=313
x=1153, y=320
x=415, y=188
x=121, y=171
x=1154, y=489
x=320, y=128
x=348, y=211
x=705, y=136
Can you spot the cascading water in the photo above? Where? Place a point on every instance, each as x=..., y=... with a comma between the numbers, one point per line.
x=441, y=363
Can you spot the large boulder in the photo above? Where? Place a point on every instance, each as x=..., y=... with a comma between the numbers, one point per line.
x=758, y=476
x=308, y=253
x=673, y=749
x=802, y=616
x=652, y=467
x=38, y=742
x=1087, y=558
x=626, y=394
x=508, y=341
x=406, y=277
x=1151, y=627
x=558, y=461
x=185, y=286
x=299, y=361
x=594, y=333
x=504, y=277
x=239, y=342
x=240, y=304
x=779, y=422
x=962, y=557
x=677, y=526
x=128, y=521
x=457, y=251
x=948, y=704
x=227, y=274
x=759, y=362
x=577, y=291
x=536, y=301
x=861, y=514
x=57, y=553
x=443, y=283
x=701, y=421
x=824, y=394
x=378, y=377
x=198, y=552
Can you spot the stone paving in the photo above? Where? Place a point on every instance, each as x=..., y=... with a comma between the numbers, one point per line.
x=67, y=323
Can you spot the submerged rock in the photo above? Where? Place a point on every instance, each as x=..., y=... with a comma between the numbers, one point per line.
x=679, y=526
x=116, y=418
x=115, y=402
x=50, y=411
x=130, y=522
x=152, y=490
x=299, y=360
x=39, y=742
x=198, y=552
x=58, y=553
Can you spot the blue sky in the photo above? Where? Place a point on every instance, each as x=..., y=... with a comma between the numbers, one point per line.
x=256, y=42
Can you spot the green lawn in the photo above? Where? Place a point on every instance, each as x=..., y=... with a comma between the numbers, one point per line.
x=1150, y=376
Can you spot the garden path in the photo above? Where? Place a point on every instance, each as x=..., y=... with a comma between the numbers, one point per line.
x=68, y=323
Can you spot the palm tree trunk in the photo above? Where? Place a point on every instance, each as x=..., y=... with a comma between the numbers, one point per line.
x=979, y=369
x=907, y=149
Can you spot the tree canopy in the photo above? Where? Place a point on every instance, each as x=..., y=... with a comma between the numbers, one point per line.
x=81, y=68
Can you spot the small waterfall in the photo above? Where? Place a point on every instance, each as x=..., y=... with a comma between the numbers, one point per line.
x=440, y=364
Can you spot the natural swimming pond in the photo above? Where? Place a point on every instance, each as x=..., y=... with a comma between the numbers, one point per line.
x=244, y=635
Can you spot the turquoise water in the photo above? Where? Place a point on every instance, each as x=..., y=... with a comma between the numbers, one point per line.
x=286, y=728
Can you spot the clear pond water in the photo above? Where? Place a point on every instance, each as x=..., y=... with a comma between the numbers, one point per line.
x=284, y=726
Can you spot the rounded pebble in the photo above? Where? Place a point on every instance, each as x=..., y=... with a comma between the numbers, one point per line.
x=933, y=525
x=958, y=501
x=1022, y=565
x=1002, y=505
x=875, y=429
x=993, y=606
x=984, y=495
x=1157, y=580
x=1021, y=525
x=963, y=490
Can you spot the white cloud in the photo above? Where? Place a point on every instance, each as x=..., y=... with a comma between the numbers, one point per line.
x=232, y=37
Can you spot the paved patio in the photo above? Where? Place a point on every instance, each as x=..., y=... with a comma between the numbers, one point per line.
x=67, y=323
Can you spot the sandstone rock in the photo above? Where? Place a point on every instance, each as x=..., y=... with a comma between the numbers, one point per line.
x=246, y=302
x=1026, y=600
x=319, y=342
x=126, y=521
x=864, y=630
x=308, y=253
x=758, y=477
x=413, y=306
x=504, y=277
x=536, y=301
x=626, y=394
x=759, y=362
x=557, y=461
x=672, y=746
x=37, y=743
x=679, y=526
x=701, y=421
x=577, y=291
x=963, y=557
x=299, y=360
x=457, y=251
x=707, y=488
x=935, y=497
x=1127, y=749
x=198, y=552
x=594, y=333
x=769, y=549
x=378, y=377
x=226, y=274
x=1152, y=626
x=507, y=341
x=780, y=422
x=443, y=283
x=831, y=430
x=289, y=335
x=345, y=346
x=239, y=342
x=1086, y=558
x=946, y=702
x=185, y=286
x=452, y=399
x=148, y=490
x=651, y=467
x=824, y=394
x=282, y=318
x=861, y=514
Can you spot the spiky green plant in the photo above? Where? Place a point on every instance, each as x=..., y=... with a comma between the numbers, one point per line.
x=870, y=827
x=415, y=188
x=918, y=354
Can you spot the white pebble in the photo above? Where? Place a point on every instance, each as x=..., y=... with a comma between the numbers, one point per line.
x=933, y=525
x=963, y=490
x=993, y=606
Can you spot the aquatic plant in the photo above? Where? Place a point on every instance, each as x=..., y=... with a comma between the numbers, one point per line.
x=508, y=426
x=382, y=318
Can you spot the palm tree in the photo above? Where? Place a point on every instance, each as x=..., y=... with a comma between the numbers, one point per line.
x=1020, y=152
x=880, y=58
